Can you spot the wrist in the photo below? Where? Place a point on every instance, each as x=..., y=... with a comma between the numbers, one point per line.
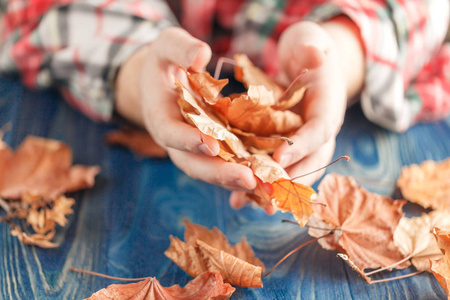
x=349, y=45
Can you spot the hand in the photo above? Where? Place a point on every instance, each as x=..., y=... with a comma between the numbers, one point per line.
x=307, y=46
x=146, y=95
x=322, y=50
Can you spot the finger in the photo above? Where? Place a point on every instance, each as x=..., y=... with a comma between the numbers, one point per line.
x=179, y=47
x=238, y=199
x=214, y=170
x=315, y=161
x=306, y=140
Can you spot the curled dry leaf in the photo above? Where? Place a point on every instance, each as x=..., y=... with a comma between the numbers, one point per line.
x=37, y=239
x=441, y=267
x=427, y=184
x=43, y=167
x=414, y=238
x=138, y=141
x=204, y=287
x=209, y=250
x=364, y=222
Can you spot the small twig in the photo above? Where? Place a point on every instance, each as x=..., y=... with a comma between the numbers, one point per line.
x=73, y=269
x=295, y=250
x=347, y=158
x=6, y=207
x=395, y=278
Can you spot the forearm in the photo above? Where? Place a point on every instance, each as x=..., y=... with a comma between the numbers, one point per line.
x=346, y=37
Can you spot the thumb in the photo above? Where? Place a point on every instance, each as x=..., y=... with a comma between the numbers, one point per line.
x=177, y=46
x=302, y=46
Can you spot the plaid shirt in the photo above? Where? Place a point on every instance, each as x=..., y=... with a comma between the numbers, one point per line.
x=79, y=46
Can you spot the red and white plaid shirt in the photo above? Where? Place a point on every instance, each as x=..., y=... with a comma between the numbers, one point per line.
x=79, y=46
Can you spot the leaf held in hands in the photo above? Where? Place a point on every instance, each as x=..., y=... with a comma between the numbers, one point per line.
x=364, y=222
x=427, y=184
x=206, y=286
x=205, y=85
x=209, y=250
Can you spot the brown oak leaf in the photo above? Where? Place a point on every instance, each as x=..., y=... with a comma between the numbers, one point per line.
x=204, y=287
x=414, y=238
x=138, y=141
x=441, y=267
x=427, y=184
x=209, y=250
x=364, y=222
x=43, y=167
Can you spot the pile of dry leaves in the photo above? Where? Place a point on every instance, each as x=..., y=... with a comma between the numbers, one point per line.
x=33, y=180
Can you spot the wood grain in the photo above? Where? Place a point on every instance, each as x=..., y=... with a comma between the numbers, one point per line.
x=121, y=226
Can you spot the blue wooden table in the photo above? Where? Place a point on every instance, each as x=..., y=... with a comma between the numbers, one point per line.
x=121, y=226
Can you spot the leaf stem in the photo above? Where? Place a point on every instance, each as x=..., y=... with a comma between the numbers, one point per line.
x=220, y=63
x=73, y=269
x=295, y=250
x=389, y=267
x=395, y=278
x=347, y=158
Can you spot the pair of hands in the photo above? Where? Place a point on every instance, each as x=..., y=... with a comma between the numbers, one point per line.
x=304, y=45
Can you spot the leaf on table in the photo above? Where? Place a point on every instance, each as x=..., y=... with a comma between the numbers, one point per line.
x=37, y=239
x=204, y=287
x=364, y=222
x=427, y=184
x=43, y=167
x=441, y=267
x=414, y=238
x=209, y=250
x=43, y=216
x=138, y=141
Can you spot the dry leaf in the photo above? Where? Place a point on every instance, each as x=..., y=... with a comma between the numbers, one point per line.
x=204, y=287
x=249, y=74
x=414, y=238
x=441, y=268
x=44, y=167
x=205, y=85
x=38, y=239
x=364, y=222
x=427, y=184
x=209, y=250
x=287, y=196
x=202, y=119
x=138, y=141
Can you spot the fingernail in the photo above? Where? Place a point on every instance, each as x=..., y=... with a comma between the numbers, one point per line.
x=203, y=148
x=285, y=160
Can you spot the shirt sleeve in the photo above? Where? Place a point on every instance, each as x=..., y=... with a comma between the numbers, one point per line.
x=78, y=46
x=407, y=77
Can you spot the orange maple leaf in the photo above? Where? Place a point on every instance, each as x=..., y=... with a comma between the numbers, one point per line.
x=138, y=141
x=41, y=167
x=204, y=287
